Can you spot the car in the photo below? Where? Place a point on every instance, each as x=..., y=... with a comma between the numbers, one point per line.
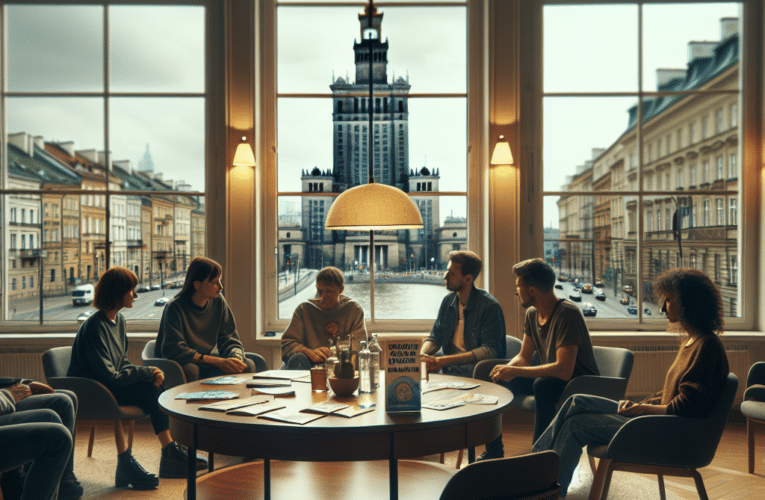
x=176, y=284
x=627, y=288
x=161, y=301
x=143, y=289
x=575, y=296
x=558, y=286
x=632, y=309
x=83, y=316
x=562, y=278
x=647, y=311
x=589, y=310
x=577, y=286
x=624, y=300
x=154, y=287
x=598, y=284
x=600, y=296
x=587, y=288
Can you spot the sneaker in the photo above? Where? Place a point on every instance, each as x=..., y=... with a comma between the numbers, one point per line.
x=489, y=455
x=175, y=462
x=69, y=488
x=130, y=472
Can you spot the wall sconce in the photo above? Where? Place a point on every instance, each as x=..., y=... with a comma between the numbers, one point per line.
x=244, y=157
x=502, y=154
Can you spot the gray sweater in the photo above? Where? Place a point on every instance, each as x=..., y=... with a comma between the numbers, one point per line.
x=313, y=327
x=186, y=329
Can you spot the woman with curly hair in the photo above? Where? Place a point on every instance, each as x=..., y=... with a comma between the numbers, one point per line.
x=692, y=386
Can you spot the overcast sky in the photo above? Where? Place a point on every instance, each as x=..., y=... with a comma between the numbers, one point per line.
x=160, y=49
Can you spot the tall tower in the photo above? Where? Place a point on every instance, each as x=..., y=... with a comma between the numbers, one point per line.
x=350, y=107
x=146, y=164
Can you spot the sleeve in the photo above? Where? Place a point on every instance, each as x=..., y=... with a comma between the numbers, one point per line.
x=653, y=400
x=229, y=343
x=491, y=335
x=7, y=402
x=357, y=326
x=105, y=365
x=174, y=345
x=437, y=331
x=293, y=335
x=700, y=385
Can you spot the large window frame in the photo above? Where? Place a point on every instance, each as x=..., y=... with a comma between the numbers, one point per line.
x=212, y=95
x=751, y=59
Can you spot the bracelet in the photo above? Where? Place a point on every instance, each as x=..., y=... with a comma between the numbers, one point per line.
x=202, y=359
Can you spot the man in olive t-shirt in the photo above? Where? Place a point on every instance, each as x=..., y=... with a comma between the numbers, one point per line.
x=556, y=330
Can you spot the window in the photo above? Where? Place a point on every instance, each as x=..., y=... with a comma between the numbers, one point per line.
x=73, y=106
x=587, y=144
x=732, y=166
x=404, y=152
x=732, y=212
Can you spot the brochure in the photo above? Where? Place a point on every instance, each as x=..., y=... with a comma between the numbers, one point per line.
x=269, y=382
x=479, y=399
x=228, y=380
x=354, y=410
x=401, y=359
x=292, y=418
x=459, y=384
x=282, y=374
x=325, y=407
x=275, y=391
x=255, y=410
x=224, y=406
x=207, y=395
x=444, y=401
x=442, y=405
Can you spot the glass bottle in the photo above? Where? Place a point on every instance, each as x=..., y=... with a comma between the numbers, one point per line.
x=375, y=353
x=331, y=361
x=365, y=383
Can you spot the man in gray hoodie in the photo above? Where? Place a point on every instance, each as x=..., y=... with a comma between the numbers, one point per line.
x=316, y=322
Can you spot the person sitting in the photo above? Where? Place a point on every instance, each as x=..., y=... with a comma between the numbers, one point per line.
x=37, y=426
x=470, y=325
x=692, y=387
x=556, y=330
x=100, y=352
x=316, y=322
x=197, y=328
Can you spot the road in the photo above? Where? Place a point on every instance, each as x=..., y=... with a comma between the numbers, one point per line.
x=611, y=307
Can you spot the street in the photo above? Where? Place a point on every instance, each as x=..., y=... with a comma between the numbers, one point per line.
x=611, y=307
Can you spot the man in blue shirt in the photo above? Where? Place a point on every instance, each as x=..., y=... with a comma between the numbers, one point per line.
x=470, y=325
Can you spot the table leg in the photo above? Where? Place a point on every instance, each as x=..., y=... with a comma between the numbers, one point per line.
x=191, y=482
x=266, y=479
x=393, y=470
x=471, y=455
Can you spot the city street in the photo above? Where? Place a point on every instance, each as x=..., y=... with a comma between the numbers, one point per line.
x=611, y=307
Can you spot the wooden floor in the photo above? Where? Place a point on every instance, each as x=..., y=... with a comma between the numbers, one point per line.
x=726, y=478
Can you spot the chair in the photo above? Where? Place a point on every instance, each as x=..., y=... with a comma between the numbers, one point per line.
x=96, y=403
x=525, y=477
x=174, y=375
x=614, y=364
x=753, y=406
x=665, y=445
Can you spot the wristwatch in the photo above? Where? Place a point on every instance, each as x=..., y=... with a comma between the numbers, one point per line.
x=202, y=358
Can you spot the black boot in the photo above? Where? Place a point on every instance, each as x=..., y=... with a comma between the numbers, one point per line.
x=70, y=488
x=130, y=472
x=175, y=462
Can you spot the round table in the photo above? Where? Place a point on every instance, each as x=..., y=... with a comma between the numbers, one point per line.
x=372, y=436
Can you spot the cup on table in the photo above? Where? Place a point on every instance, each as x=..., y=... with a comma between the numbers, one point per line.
x=318, y=379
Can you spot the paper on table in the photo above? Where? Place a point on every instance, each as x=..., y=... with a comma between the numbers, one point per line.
x=354, y=410
x=224, y=406
x=325, y=407
x=275, y=391
x=269, y=382
x=228, y=380
x=460, y=385
x=207, y=395
x=292, y=418
x=282, y=374
x=254, y=410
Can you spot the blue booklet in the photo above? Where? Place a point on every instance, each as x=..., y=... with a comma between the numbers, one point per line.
x=207, y=395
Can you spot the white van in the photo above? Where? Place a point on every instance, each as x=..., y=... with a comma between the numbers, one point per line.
x=82, y=295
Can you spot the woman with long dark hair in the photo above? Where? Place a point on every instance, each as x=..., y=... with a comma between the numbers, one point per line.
x=100, y=352
x=692, y=387
x=198, y=329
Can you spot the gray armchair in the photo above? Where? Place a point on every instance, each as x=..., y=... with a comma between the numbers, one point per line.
x=525, y=477
x=665, y=445
x=753, y=406
x=96, y=403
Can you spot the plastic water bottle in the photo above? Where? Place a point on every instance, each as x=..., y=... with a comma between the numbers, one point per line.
x=365, y=383
x=375, y=353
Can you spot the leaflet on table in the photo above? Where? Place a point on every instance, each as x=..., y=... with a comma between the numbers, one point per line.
x=479, y=399
x=431, y=386
x=282, y=374
x=354, y=410
x=275, y=391
x=224, y=406
x=292, y=418
x=402, y=373
x=228, y=380
x=207, y=395
x=325, y=407
x=443, y=400
x=269, y=382
x=255, y=410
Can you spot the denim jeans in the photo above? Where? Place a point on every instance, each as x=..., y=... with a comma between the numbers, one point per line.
x=581, y=421
x=36, y=437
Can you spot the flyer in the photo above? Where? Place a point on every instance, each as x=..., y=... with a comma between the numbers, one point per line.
x=401, y=354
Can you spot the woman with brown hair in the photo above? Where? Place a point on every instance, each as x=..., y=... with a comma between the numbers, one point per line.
x=100, y=352
x=198, y=329
x=692, y=387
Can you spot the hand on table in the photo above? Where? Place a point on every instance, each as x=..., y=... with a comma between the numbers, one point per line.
x=503, y=372
x=318, y=355
x=432, y=363
x=227, y=365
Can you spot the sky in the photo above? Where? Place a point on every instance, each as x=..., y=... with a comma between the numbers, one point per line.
x=160, y=49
